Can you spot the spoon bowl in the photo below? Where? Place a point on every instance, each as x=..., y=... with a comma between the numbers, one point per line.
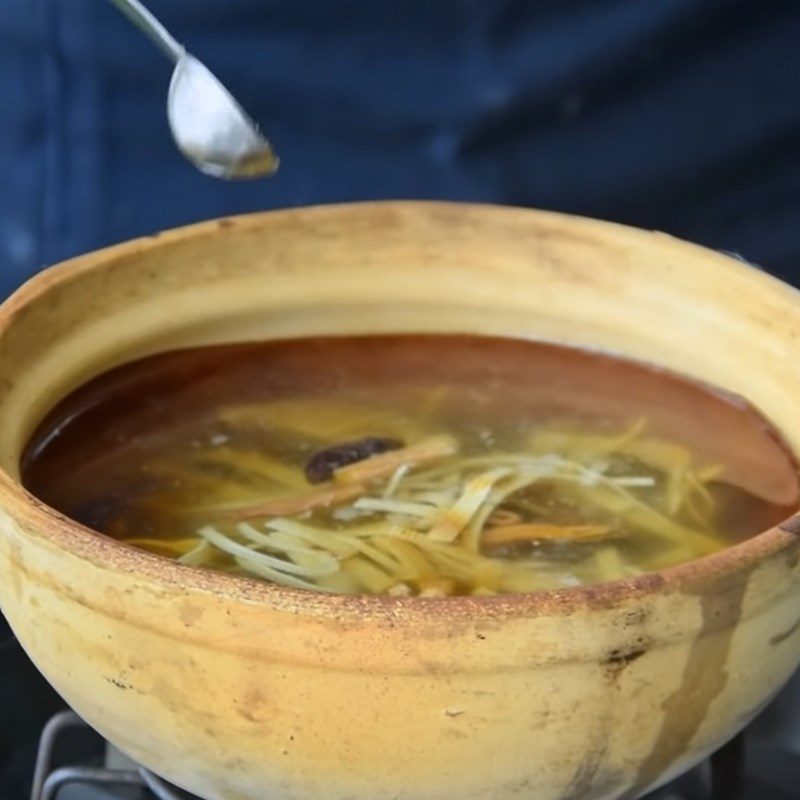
x=209, y=127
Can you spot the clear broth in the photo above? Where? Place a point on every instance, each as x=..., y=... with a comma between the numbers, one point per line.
x=622, y=467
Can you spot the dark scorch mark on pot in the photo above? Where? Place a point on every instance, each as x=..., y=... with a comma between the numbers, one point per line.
x=584, y=780
x=619, y=659
x=704, y=678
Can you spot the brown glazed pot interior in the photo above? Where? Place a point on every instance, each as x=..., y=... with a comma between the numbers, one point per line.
x=238, y=689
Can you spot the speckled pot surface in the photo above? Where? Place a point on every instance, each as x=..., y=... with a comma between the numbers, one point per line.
x=238, y=690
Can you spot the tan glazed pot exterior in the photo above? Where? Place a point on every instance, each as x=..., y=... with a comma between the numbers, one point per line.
x=238, y=690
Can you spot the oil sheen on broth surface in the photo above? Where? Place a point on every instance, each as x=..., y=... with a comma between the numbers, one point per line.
x=411, y=464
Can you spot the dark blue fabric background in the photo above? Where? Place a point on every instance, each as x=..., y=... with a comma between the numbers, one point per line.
x=681, y=115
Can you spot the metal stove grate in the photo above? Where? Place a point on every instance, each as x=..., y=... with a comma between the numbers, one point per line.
x=49, y=781
x=116, y=778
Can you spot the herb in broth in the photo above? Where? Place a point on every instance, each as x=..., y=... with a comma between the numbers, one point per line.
x=364, y=475
x=445, y=516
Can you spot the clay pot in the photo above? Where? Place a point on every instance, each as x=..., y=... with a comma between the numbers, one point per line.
x=239, y=690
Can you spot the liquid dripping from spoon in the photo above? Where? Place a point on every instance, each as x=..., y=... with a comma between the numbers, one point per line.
x=209, y=127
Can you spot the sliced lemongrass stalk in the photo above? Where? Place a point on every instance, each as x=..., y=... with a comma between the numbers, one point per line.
x=543, y=532
x=324, y=496
x=290, y=546
x=391, y=506
x=243, y=553
x=254, y=567
x=450, y=524
x=198, y=555
x=633, y=481
x=394, y=481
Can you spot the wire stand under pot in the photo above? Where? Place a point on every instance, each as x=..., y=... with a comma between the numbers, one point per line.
x=48, y=780
x=51, y=781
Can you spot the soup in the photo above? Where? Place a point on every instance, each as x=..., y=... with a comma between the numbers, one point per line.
x=411, y=465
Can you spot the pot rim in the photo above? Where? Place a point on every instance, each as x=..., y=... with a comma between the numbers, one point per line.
x=108, y=553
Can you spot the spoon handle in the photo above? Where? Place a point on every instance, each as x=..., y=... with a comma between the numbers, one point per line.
x=151, y=27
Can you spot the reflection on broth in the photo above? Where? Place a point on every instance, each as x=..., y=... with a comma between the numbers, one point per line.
x=411, y=465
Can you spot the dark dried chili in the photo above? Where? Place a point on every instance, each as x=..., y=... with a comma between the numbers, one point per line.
x=324, y=463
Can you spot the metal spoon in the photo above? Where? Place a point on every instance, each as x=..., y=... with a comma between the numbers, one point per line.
x=209, y=127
